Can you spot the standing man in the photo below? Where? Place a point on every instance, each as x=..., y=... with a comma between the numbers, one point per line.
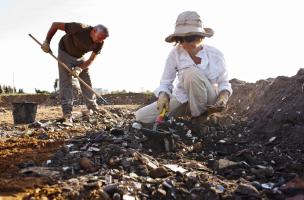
x=78, y=40
x=201, y=72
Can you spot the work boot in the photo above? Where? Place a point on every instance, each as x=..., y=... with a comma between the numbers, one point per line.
x=97, y=110
x=67, y=118
x=87, y=112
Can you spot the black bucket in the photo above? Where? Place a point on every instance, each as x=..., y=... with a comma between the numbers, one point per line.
x=24, y=112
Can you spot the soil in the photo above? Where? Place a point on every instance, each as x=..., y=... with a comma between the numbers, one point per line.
x=252, y=150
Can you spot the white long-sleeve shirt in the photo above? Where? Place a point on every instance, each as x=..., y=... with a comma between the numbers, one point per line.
x=212, y=65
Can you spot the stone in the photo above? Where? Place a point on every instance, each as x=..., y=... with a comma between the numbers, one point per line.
x=247, y=190
x=86, y=163
x=159, y=172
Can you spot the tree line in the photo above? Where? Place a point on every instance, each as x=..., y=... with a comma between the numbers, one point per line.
x=6, y=89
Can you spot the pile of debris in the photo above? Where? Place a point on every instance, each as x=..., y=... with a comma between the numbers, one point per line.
x=254, y=151
x=125, y=160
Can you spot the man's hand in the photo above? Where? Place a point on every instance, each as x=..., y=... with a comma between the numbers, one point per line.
x=222, y=99
x=76, y=71
x=163, y=102
x=46, y=46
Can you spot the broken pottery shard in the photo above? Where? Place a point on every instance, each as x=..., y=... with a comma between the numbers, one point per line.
x=220, y=189
x=147, y=160
x=223, y=163
x=295, y=183
x=111, y=188
x=198, y=147
x=40, y=171
x=262, y=171
x=128, y=197
x=176, y=168
x=93, y=149
x=136, y=125
x=96, y=184
x=248, y=190
x=86, y=163
x=108, y=179
x=69, y=124
x=267, y=185
x=196, y=166
x=159, y=172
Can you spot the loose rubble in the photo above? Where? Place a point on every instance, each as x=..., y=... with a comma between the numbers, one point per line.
x=254, y=150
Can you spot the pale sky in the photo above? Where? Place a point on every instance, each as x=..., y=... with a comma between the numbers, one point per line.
x=259, y=39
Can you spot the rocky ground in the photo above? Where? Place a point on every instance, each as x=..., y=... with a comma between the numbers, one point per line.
x=253, y=150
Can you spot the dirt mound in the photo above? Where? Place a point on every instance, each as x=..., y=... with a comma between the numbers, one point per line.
x=130, y=98
x=7, y=100
x=273, y=108
x=273, y=105
x=52, y=99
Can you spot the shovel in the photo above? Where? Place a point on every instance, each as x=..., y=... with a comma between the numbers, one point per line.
x=69, y=70
x=164, y=139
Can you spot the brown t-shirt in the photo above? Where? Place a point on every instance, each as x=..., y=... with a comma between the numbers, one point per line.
x=77, y=41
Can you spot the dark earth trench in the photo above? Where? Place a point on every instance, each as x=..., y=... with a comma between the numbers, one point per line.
x=252, y=150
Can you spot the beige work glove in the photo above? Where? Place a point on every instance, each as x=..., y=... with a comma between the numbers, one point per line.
x=46, y=46
x=163, y=102
x=220, y=103
x=76, y=71
x=222, y=99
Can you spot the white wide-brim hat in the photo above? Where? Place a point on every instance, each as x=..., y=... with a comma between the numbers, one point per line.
x=189, y=23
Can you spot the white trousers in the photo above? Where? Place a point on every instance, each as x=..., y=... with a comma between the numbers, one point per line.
x=200, y=93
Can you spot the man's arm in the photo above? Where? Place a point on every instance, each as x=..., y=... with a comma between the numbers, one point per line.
x=46, y=43
x=55, y=26
x=88, y=62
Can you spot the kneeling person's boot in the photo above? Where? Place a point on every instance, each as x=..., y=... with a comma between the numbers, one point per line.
x=67, y=117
